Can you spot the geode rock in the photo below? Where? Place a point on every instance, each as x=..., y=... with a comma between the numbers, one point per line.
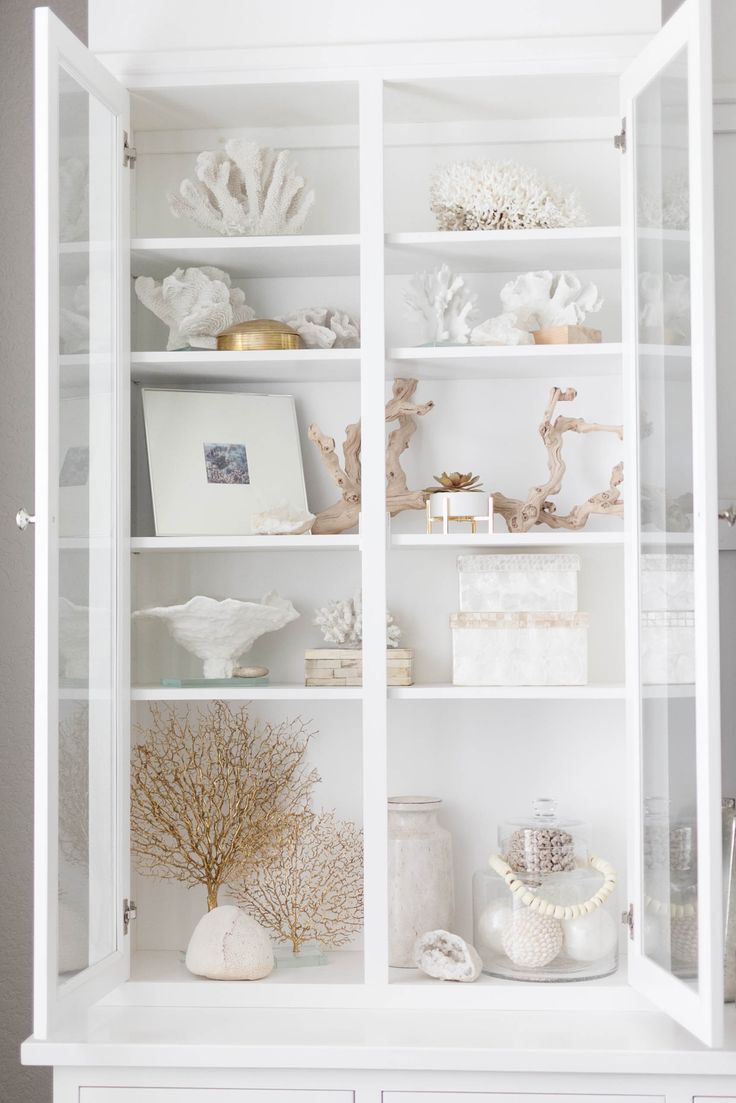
x=446, y=956
x=227, y=944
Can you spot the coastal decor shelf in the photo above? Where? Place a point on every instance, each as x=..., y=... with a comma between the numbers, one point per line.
x=368, y=147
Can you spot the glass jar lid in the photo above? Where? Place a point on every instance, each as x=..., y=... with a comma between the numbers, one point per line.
x=543, y=843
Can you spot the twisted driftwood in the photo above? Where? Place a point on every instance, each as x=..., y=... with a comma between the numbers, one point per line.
x=520, y=516
x=343, y=515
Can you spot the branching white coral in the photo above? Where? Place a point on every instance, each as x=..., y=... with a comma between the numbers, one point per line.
x=320, y=327
x=196, y=304
x=245, y=189
x=664, y=304
x=500, y=195
x=666, y=206
x=441, y=299
x=341, y=623
x=540, y=299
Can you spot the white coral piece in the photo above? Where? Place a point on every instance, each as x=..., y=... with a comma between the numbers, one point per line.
x=666, y=206
x=500, y=195
x=320, y=327
x=73, y=199
x=664, y=303
x=74, y=318
x=247, y=189
x=196, y=304
x=441, y=299
x=502, y=330
x=341, y=623
x=540, y=299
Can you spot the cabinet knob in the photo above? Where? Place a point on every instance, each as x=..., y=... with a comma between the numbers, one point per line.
x=728, y=515
x=23, y=519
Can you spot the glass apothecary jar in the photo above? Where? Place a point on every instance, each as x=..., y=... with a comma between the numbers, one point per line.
x=545, y=910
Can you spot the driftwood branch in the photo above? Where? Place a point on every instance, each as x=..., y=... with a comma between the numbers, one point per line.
x=343, y=515
x=537, y=509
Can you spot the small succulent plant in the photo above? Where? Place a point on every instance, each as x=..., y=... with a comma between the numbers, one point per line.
x=454, y=480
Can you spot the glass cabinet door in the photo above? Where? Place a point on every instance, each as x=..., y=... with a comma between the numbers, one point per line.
x=675, y=955
x=80, y=115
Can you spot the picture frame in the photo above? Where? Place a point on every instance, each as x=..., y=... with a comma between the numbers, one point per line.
x=217, y=457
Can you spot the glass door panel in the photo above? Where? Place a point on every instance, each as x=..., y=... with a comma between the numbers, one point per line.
x=80, y=113
x=673, y=604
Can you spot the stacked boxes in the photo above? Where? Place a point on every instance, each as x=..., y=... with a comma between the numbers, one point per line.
x=519, y=622
x=343, y=666
x=667, y=620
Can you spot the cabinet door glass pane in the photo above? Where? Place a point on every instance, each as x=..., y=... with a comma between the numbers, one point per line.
x=86, y=529
x=667, y=628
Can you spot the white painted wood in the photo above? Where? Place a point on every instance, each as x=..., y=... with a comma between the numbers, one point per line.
x=373, y=530
x=300, y=254
x=506, y=250
x=698, y=1006
x=57, y=49
x=551, y=362
x=298, y=365
x=449, y=692
x=274, y=692
x=204, y=1095
x=541, y=538
x=303, y=542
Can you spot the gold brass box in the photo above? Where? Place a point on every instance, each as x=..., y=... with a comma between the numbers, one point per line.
x=260, y=334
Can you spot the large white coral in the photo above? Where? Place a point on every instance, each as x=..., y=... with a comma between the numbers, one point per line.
x=540, y=299
x=245, y=189
x=196, y=304
x=320, y=327
x=341, y=623
x=664, y=304
x=445, y=305
x=500, y=195
x=73, y=199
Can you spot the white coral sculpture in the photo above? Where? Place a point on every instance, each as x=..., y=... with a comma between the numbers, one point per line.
x=320, y=327
x=540, y=299
x=536, y=300
x=196, y=304
x=444, y=304
x=664, y=305
x=500, y=195
x=341, y=623
x=73, y=199
x=246, y=189
x=666, y=206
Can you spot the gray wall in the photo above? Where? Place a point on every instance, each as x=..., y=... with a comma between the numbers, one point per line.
x=17, y=1084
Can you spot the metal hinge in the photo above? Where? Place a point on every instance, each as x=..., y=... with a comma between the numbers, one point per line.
x=619, y=140
x=130, y=153
x=628, y=919
x=130, y=912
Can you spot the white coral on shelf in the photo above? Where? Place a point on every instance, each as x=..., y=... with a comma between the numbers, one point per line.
x=246, y=189
x=666, y=205
x=500, y=195
x=320, y=327
x=664, y=305
x=444, y=304
x=341, y=623
x=196, y=304
x=73, y=199
x=74, y=318
x=540, y=299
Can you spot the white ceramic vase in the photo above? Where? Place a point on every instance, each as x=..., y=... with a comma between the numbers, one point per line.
x=420, y=875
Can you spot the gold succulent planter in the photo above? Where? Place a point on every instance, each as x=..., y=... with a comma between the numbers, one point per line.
x=258, y=335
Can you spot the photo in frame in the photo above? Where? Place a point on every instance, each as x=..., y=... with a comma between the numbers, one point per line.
x=217, y=457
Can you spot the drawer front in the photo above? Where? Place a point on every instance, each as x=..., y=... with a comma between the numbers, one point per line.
x=209, y=1095
x=514, y=1097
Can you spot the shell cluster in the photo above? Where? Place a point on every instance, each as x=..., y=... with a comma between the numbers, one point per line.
x=541, y=850
x=500, y=195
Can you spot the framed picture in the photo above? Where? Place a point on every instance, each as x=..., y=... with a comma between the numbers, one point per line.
x=217, y=457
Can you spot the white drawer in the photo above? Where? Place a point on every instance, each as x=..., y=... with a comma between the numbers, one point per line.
x=520, y=1097
x=209, y=1095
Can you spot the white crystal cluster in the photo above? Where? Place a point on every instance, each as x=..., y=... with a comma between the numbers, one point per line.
x=500, y=195
x=321, y=327
x=534, y=301
x=196, y=304
x=245, y=189
x=447, y=956
x=341, y=623
x=443, y=303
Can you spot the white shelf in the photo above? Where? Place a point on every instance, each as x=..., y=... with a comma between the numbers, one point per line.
x=305, y=542
x=247, y=693
x=505, y=361
x=288, y=366
x=586, y=247
x=243, y=257
x=445, y=691
x=507, y=540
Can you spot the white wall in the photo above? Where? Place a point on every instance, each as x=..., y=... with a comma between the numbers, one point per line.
x=187, y=24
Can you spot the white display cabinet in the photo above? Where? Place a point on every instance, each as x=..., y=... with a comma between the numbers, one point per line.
x=368, y=142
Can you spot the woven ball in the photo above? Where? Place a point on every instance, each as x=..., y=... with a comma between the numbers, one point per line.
x=532, y=941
